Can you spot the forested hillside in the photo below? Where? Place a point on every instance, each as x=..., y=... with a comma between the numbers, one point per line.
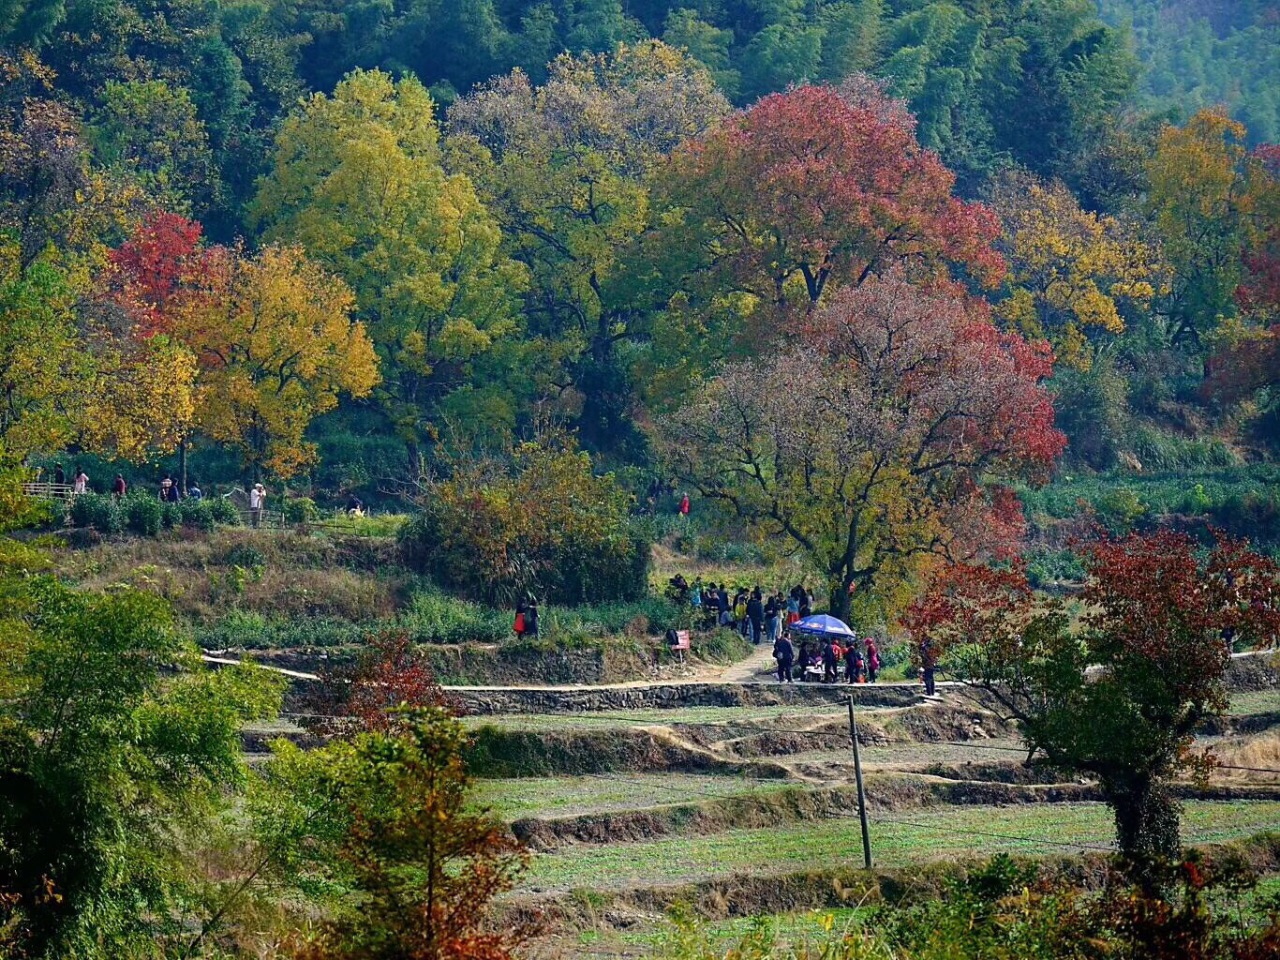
x=1200, y=53
x=506, y=214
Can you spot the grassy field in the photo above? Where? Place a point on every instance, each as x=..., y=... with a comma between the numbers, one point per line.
x=898, y=841
x=1251, y=704
x=565, y=796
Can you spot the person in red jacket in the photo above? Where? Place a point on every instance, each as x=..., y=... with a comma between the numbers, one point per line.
x=873, y=660
x=684, y=505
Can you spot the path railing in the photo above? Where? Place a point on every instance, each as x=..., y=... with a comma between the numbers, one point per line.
x=51, y=491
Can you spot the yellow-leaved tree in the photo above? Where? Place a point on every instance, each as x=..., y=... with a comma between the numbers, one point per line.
x=276, y=344
x=1203, y=202
x=357, y=180
x=1072, y=272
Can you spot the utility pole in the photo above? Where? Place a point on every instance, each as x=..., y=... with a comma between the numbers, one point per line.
x=862, y=796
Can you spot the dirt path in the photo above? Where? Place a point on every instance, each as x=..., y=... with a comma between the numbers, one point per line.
x=758, y=666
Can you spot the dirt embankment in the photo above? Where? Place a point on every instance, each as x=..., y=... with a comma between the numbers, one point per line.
x=497, y=752
x=678, y=695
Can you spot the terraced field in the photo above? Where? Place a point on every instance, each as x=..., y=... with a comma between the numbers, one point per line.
x=736, y=797
x=632, y=811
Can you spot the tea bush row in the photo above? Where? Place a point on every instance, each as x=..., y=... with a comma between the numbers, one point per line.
x=146, y=516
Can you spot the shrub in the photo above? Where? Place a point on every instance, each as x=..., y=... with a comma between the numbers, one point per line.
x=543, y=524
x=97, y=510
x=196, y=513
x=244, y=555
x=300, y=510
x=223, y=511
x=435, y=618
x=170, y=515
x=144, y=514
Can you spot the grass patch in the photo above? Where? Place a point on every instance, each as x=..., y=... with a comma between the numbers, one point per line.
x=567, y=796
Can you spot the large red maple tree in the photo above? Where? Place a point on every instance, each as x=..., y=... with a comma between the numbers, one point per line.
x=818, y=188
x=883, y=436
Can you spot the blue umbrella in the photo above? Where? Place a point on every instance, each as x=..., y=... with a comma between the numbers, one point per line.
x=822, y=625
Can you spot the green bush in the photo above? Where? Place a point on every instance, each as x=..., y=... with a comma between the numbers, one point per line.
x=170, y=515
x=244, y=555
x=144, y=514
x=543, y=524
x=196, y=513
x=300, y=510
x=223, y=511
x=433, y=617
x=97, y=510
x=248, y=630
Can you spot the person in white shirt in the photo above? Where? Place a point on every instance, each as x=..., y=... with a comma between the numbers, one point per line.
x=81, y=484
x=257, y=503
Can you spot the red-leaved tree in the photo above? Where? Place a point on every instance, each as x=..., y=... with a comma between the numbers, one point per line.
x=880, y=438
x=1120, y=696
x=149, y=269
x=371, y=693
x=819, y=188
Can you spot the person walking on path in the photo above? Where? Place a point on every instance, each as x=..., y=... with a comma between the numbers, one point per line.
x=119, y=488
x=81, y=482
x=531, y=620
x=194, y=492
x=785, y=654
x=771, y=619
x=873, y=659
x=521, y=615
x=59, y=475
x=684, y=506
x=928, y=664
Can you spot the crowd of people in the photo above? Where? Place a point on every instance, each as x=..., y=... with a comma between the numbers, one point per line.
x=825, y=659
x=769, y=618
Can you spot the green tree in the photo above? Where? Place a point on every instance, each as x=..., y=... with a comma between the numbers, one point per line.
x=388, y=816
x=116, y=744
x=357, y=180
x=564, y=166
x=153, y=133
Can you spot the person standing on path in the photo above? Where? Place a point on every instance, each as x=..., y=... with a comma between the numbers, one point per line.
x=755, y=614
x=531, y=620
x=853, y=664
x=785, y=654
x=119, y=488
x=928, y=663
x=684, y=506
x=257, y=503
x=81, y=482
x=873, y=659
x=59, y=475
x=830, y=663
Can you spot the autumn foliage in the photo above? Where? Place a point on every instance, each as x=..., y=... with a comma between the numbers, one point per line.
x=881, y=438
x=822, y=187
x=424, y=866
x=1121, y=698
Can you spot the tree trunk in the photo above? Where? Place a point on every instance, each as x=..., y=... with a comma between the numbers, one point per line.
x=840, y=604
x=1146, y=815
x=182, y=465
